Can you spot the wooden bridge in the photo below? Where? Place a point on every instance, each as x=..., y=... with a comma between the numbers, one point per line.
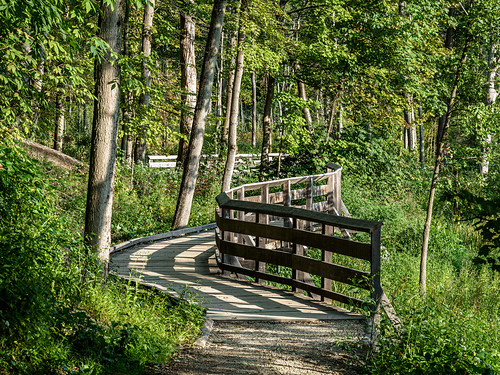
x=279, y=250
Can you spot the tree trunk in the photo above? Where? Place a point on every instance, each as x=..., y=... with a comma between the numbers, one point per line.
x=127, y=144
x=147, y=25
x=191, y=166
x=220, y=84
x=229, y=92
x=188, y=81
x=254, y=112
x=303, y=95
x=445, y=124
x=103, y=147
x=491, y=96
x=233, y=124
x=266, y=122
x=60, y=122
x=332, y=115
x=38, y=84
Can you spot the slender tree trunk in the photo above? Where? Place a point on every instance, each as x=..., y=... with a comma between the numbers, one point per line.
x=60, y=122
x=233, y=124
x=254, y=112
x=188, y=81
x=220, y=84
x=191, y=166
x=38, y=83
x=229, y=91
x=127, y=144
x=85, y=122
x=491, y=96
x=332, y=115
x=266, y=122
x=242, y=115
x=104, y=131
x=147, y=25
x=421, y=138
x=439, y=156
x=303, y=95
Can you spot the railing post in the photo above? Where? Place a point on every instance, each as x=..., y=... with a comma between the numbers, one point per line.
x=329, y=195
x=309, y=199
x=298, y=250
x=337, y=196
x=294, y=251
x=263, y=219
x=226, y=236
x=376, y=293
x=240, y=195
x=326, y=256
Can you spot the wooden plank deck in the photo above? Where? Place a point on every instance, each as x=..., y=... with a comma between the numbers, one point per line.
x=189, y=262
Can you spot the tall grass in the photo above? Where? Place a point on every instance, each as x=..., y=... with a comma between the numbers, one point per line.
x=56, y=314
x=453, y=327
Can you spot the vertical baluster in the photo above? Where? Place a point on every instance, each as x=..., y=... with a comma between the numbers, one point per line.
x=226, y=236
x=309, y=201
x=263, y=219
x=376, y=294
x=329, y=195
x=240, y=194
x=326, y=256
x=336, y=191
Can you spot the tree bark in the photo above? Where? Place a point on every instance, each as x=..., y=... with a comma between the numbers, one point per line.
x=188, y=81
x=491, y=97
x=127, y=144
x=421, y=139
x=301, y=87
x=220, y=85
x=410, y=131
x=233, y=123
x=191, y=166
x=60, y=122
x=266, y=122
x=332, y=115
x=229, y=91
x=103, y=146
x=147, y=25
x=254, y=112
x=445, y=124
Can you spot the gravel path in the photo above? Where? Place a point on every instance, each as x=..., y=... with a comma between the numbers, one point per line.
x=305, y=348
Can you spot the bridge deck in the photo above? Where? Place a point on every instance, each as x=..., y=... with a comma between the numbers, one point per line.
x=189, y=261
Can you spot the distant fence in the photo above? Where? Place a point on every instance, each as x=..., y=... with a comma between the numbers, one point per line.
x=170, y=161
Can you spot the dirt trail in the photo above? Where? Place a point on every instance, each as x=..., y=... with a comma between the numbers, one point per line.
x=305, y=348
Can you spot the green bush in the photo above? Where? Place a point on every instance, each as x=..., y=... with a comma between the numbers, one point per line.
x=56, y=316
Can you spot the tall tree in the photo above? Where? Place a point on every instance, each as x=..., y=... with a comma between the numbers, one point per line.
x=104, y=131
x=127, y=142
x=229, y=89
x=60, y=122
x=192, y=163
x=147, y=25
x=235, y=99
x=491, y=96
x=443, y=125
x=266, y=122
x=254, y=111
x=188, y=80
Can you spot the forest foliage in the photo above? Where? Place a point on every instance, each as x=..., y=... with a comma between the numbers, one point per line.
x=369, y=85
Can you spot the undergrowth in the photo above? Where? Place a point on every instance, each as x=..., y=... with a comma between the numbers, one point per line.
x=56, y=313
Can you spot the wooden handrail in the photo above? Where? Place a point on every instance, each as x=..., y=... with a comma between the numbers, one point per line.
x=253, y=231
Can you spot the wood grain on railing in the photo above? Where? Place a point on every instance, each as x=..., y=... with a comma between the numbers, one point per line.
x=276, y=222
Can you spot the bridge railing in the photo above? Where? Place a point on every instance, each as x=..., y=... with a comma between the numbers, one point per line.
x=279, y=226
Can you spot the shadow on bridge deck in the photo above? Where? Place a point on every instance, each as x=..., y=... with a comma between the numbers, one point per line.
x=189, y=262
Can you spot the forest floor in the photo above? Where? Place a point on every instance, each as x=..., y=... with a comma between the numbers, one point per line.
x=299, y=348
